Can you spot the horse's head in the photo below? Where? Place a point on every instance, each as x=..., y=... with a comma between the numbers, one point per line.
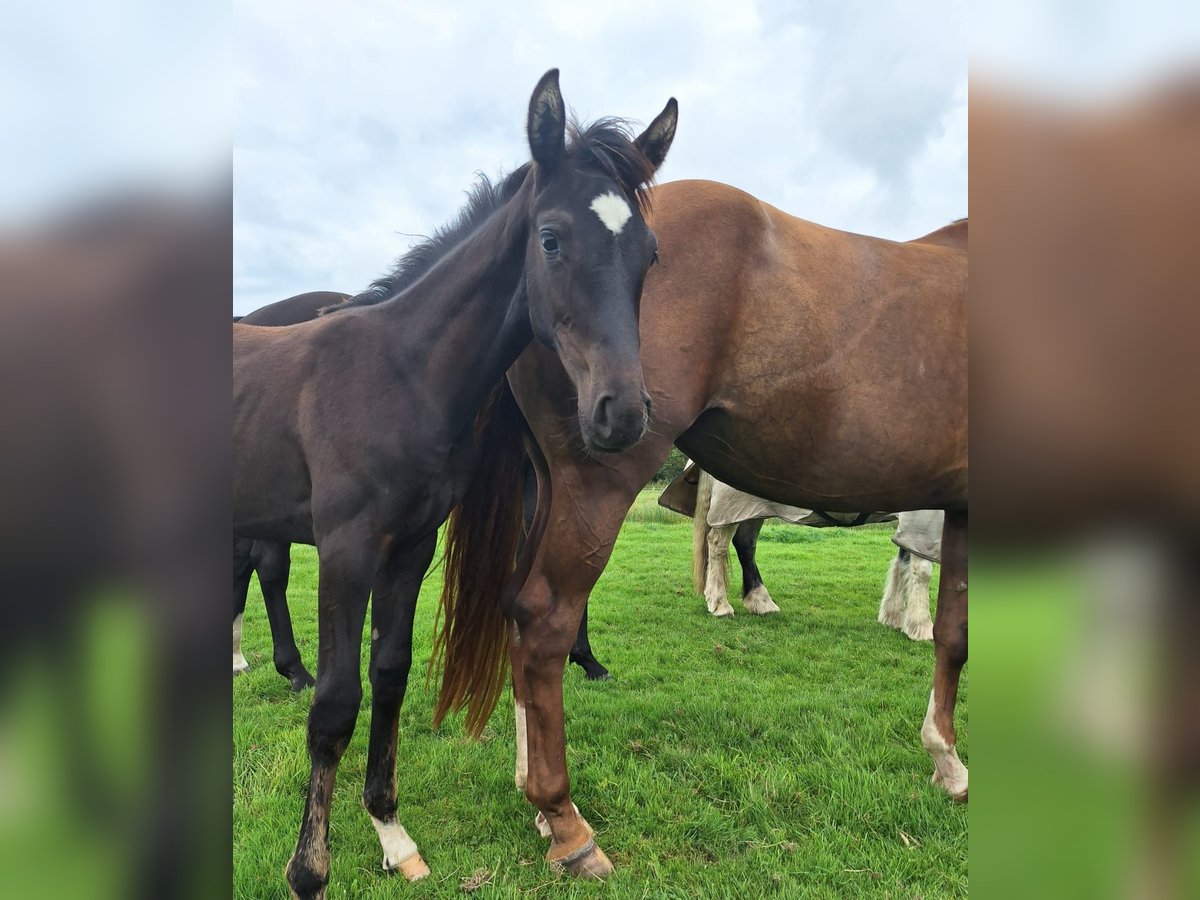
x=589, y=251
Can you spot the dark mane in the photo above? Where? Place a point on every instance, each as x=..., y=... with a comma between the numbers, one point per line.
x=606, y=143
x=483, y=199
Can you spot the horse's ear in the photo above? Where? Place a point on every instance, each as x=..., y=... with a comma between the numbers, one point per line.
x=655, y=141
x=547, y=122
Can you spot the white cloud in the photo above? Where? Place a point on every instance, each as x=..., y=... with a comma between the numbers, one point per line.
x=360, y=120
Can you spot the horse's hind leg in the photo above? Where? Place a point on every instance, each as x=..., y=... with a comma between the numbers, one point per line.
x=347, y=559
x=393, y=605
x=950, y=654
x=716, y=589
x=581, y=654
x=243, y=568
x=755, y=597
x=917, y=623
x=273, y=562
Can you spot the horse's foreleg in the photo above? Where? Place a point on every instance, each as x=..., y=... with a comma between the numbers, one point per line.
x=273, y=562
x=715, y=588
x=393, y=604
x=917, y=623
x=950, y=654
x=243, y=568
x=891, y=605
x=755, y=597
x=545, y=624
x=546, y=612
x=347, y=562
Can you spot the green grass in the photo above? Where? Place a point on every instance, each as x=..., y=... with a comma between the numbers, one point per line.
x=774, y=756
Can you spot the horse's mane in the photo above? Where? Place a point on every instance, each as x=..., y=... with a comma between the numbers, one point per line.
x=606, y=143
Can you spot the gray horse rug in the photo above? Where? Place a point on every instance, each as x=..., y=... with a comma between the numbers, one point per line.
x=919, y=532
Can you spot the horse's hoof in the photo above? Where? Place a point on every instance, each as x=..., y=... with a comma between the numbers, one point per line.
x=922, y=631
x=239, y=664
x=413, y=868
x=303, y=883
x=759, y=603
x=723, y=611
x=588, y=862
x=958, y=793
x=602, y=675
x=301, y=681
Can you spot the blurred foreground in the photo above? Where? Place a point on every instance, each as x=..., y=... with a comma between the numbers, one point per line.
x=114, y=448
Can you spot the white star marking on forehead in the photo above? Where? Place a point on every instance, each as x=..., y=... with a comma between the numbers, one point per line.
x=613, y=211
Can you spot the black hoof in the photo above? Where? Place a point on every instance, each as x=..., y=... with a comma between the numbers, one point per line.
x=601, y=674
x=304, y=882
x=301, y=680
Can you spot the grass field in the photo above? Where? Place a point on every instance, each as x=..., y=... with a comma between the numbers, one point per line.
x=775, y=756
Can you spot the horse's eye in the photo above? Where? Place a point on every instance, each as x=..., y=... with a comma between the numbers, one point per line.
x=549, y=242
x=654, y=259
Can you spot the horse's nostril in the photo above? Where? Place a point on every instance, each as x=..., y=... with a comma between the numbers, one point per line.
x=603, y=411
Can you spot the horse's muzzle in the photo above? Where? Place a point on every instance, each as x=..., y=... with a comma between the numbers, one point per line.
x=616, y=425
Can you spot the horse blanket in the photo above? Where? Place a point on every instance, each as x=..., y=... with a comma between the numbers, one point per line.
x=919, y=532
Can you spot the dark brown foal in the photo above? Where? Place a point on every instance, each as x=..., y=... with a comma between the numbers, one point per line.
x=358, y=432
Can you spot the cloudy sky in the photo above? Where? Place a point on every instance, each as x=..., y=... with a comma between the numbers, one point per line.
x=360, y=124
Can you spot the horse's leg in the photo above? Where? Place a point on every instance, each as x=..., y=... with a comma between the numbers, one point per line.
x=547, y=612
x=950, y=653
x=243, y=568
x=347, y=560
x=393, y=604
x=581, y=654
x=891, y=605
x=715, y=587
x=917, y=623
x=754, y=593
x=273, y=562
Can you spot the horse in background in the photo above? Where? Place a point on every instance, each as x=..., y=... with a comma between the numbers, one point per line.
x=272, y=560
x=722, y=514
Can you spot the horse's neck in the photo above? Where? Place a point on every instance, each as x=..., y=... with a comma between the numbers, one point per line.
x=465, y=322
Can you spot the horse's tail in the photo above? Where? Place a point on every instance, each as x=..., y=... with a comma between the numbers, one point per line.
x=700, y=529
x=482, y=537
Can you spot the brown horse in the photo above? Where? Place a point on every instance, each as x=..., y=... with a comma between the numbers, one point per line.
x=781, y=356
x=357, y=432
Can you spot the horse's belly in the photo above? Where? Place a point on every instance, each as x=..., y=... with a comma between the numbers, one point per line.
x=831, y=466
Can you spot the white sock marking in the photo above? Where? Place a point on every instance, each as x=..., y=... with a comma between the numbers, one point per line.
x=759, y=602
x=949, y=771
x=917, y=623
x=715, y=592
x=397, y=845
x=522, y=776
x=613, y=211
x=891, y=607
x=239, y=661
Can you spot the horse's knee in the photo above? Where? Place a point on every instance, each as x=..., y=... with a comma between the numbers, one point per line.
x=389, y=678
x=950, y=639
x=332, y=718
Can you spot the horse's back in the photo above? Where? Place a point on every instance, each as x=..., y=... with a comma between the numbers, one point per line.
x=293, y=310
